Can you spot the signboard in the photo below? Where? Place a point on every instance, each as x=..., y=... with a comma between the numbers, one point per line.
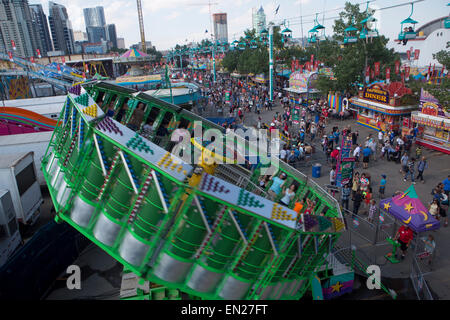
x=346, y=171
x=328, y=72
x=377, y=68
x=376, y=93
x=388, y=75
x=430, y=105
x=227, y=96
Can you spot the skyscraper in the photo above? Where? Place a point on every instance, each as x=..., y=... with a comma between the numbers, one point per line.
x=16, y=24
x=111, y=35
x=94, y=17
x=220, y=27
x=61, y=28
x=258, y=20
x=41, y=24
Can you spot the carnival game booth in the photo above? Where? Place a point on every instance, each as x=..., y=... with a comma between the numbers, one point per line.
x=433, y=124
x=407, y=209
x=378, y=106
x=301, y=88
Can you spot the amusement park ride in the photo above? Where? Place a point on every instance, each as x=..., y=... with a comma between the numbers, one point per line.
x=206, y=229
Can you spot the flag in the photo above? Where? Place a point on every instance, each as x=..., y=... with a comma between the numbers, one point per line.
x=428, y=73
x=367, y=74
x=403, y=77
x=388, y=75
x=372, y=74
x=377, y=68
x=63, y=60
x=58, y=67
x=408, y=54
x=276, y=10
x=292, y=65
x=13, y=44
x=84, y=76
x=301, y=68
x=416, y=54
x=312, y=58
x=316, y=64
x=10, y=56
x=397, y=67
x=32, y=60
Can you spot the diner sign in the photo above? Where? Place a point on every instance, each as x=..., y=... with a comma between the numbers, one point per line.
x=376, y=93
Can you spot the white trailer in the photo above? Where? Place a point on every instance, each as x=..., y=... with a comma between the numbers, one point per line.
x=36, y=142
x=18, y=175
x=10, y=238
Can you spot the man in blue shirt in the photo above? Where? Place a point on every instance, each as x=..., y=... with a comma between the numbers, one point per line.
x=382, y=185
x=446, y=183
x=366, y=155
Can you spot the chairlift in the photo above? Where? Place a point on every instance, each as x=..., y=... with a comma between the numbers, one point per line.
x=264, y=36
x=369, y=25
x=286, y=35
x=408, y=26
x=253, y=44
x=350, y=34
x=313, y=34
x=242, y=45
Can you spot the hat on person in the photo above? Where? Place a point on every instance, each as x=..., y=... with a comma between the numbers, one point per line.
x=272, y=124
x=338, y=148
x=383, y=176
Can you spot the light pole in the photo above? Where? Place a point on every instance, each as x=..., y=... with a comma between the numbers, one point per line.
x=271, y=61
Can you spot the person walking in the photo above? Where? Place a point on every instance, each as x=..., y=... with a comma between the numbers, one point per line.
x=357, y=200
x=366, y=156
x=421, y=166
x=345, y=195
x=404, y=162
x=404, y=236
x=410, y=172
x=382, y=186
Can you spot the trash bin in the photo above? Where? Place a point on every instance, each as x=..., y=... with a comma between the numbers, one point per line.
x=316, y=169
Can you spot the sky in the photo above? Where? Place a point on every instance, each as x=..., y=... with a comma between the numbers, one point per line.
x=171, y=22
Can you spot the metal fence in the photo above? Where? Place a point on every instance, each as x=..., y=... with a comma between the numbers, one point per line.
x=419, y=282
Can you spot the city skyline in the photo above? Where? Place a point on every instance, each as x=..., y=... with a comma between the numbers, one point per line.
x=185, y=20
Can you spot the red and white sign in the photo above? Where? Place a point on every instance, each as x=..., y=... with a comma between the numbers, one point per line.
x=32, y=60
x=63, y=60
x=367, y=74
x=377, y=68
x=407, y=71
x=388, y=75
x=312, y=59
x=416, y=54
x=397, y=67
x=13, y=44
x=10, y=56
x=38, y=53
x=408, y=54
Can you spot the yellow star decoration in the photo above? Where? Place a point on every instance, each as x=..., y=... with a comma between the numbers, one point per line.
x=337, y=287
x=409, y=207
x=387, y=205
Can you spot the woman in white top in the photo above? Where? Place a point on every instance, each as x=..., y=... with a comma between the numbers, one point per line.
x=288, y=195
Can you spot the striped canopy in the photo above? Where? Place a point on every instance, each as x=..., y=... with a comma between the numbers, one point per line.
x=133, y=53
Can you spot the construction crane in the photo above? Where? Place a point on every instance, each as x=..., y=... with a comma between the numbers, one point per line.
x=141, y=25
x=209, y=4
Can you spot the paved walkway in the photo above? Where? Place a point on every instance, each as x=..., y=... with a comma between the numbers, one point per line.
x=437, y=276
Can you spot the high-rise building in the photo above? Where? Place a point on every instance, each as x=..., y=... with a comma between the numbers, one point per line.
x=96, y=34
x=61, y=28
x=16, y=24
x=94, y=17
x=120, y=43
x=40, y=22
x=111, y=35
x=258, y=20
x=80, y=36
x=220, y=27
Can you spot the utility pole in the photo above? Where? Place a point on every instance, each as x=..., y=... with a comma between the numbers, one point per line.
x=141, y=25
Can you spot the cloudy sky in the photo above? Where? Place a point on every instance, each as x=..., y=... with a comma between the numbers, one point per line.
x=168, y=22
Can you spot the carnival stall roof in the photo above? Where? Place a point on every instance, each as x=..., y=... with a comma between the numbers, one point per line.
x=408, y=208
x=133, y=53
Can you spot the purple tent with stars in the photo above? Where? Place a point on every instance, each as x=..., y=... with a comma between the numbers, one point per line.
x=408, y=208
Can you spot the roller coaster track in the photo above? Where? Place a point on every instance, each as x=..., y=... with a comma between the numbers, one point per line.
x=32, y=69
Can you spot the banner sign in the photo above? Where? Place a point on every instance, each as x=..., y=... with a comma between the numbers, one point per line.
x=397, y=67
x=376, y=93
x=377, y=68
x=388, y=75
x=429, y=105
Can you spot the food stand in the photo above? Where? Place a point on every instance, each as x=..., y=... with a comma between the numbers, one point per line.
x=301, y=88
x=433, y=124
x=378, y=106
